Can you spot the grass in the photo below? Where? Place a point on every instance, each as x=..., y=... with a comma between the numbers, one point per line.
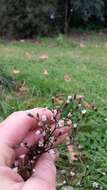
x=77, y=64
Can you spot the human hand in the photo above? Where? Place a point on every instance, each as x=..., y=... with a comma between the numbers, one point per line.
x=17, y=128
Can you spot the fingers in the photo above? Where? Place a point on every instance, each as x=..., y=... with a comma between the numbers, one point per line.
x=45, y=168
x=42, y=112
x=60, y=140
x=45, y=174
x=61, y=131
x=9, y=174
x=32, y=138
x=15, y=128
x=60, y=134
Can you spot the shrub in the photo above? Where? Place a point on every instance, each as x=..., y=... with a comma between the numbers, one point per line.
x=26, y=19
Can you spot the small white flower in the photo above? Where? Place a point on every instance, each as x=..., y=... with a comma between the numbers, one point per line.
x=34, y=170
x=44, y=118
x=103, y=173
x=79, y=105
x=87, y=166
x=68, y=101
x=22, y=145
x=38, y=152
x=95, y=185
x=70, y=115
x=40, y=123
x=69, y=97
x=84, y=111
x=64, y=182
x=75, y=125
x=44, y=133
x=38, y=132
x=52, y=139
x=105, y=119
x=61, y=123
x=72, y=174
x=79, y=147
x=78, y=183
x=40, y=144
x=69, y=122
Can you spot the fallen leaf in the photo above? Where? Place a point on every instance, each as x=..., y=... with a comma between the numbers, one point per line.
x=9, y=97
x=16, y=71
x=44, y=56
x=45, y=72
x=23, y=89
x=82, y=45
x=28, y=55
x=87, y=105
x=22, y=40
x=90, y=106
x=57, y=100
x=105, y=45
x=79, y=97
x=67, y=78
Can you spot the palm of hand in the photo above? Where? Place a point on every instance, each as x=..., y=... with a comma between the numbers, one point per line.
x=14, y=130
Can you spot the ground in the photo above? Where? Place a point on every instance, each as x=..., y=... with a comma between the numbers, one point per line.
x=34, y=71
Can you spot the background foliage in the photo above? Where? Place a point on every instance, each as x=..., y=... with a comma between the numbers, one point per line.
x=24, y=18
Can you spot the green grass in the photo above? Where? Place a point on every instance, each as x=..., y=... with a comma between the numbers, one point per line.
x=86, y=68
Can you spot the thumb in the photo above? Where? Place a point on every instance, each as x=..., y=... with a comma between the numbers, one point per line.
x=44, y=176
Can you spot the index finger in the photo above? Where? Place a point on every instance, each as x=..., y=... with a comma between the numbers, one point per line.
x=15, y=128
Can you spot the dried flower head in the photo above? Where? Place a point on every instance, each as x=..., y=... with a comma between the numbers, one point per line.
x=64, y=115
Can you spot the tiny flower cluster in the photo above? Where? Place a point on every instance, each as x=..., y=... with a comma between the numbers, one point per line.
x=48, y=138
x=63, y=117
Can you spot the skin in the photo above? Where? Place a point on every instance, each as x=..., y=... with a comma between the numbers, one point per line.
x=17, y=128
